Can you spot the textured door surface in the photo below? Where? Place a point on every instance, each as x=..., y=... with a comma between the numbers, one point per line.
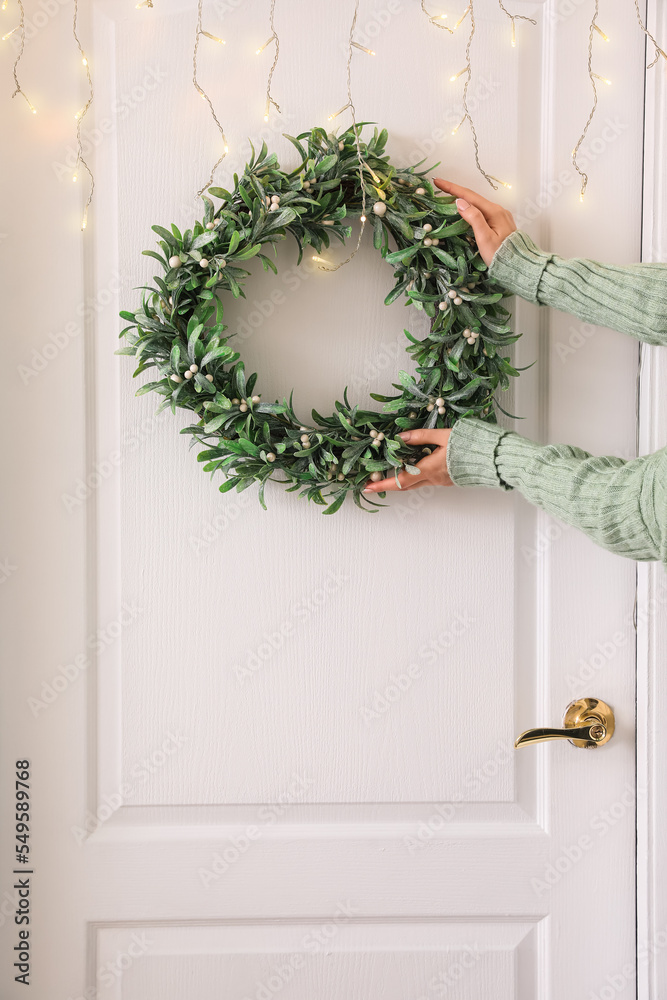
x=272, y=751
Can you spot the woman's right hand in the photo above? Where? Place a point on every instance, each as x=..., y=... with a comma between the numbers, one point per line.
x=490, y=223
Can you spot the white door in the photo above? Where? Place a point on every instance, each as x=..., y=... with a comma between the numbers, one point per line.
x=271, y=753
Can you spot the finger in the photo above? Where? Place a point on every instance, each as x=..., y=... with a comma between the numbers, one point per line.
x=405, y=479
x=489, y=208
x=484, y=234
x=425, y=435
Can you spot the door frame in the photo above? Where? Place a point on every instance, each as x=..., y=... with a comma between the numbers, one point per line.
x=651, y=618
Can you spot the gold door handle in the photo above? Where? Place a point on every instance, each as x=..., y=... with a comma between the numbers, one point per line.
x=587, y=722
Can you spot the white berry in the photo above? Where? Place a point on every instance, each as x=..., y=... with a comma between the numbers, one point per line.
x=441, y=410
x=236, y=401
x=243, y=407
x=471, y=340
x=436, y=242
x=340, y=477
x=451, y=293
x=188, y=374
x=171, y=301
x=194, y=369
x=442, y=306
x=174, y=261
x=176, y=378
x=255, y=399
x=270, y=457
x=439, y=401
x=341, y=144
x=427, y=274
x=420, y=191
x=379, y=208
x=429, y=407
x=274, y=206
x=275, y=198
x=209, y=378
x=210, y=225
x=373, y=433
x=222, y=263
x=467, y=332
x=305, y=439
x=458, y=301
x=380, y=436
x=412, y=415
x=376, y=477
x=427, y=242
x=203, y=262
x=427, y=227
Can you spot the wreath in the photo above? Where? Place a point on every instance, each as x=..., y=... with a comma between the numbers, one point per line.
x=180, y=329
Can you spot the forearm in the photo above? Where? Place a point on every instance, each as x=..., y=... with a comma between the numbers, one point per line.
x=621, y=505
x=632, y=299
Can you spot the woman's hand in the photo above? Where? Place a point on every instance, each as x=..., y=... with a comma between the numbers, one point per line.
x=432, y=468
x=490, y=223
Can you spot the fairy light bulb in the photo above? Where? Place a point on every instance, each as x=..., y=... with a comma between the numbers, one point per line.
x=84, y=60
x=214, y=38
x=320, y=260
x=601, y=33
x=513, y=35
x=339, y=112
x=457, y=75
x=84, y=220
x=10, y=33
x=74, y=178
x=4, y=4
x=462, y=18
x=362, y=48
x=267, y=109
x=457, y=127
x=362, y=218
x=262, y=47
x=602, y=79
x=503, y=183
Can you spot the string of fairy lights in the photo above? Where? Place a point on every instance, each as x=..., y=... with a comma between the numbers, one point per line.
x=437, y=20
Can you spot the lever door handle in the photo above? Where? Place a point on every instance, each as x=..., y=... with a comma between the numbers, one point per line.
x=587, y=723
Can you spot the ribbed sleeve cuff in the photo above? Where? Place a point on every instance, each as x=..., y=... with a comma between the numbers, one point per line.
x=518, y=265
x=472, y=452
x=483, y=454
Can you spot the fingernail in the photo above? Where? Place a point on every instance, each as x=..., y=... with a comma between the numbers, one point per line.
x=405, y=435
x=462, y=204
x=367, y=489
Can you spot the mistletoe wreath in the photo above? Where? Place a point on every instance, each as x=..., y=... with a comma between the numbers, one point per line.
x=180, y=329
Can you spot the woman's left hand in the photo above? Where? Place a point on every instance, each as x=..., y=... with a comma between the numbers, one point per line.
x=432, y=468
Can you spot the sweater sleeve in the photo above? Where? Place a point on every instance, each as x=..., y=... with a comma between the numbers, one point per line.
x=631, y=299
x=621, y=505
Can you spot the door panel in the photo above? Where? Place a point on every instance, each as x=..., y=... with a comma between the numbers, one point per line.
x=287, y=722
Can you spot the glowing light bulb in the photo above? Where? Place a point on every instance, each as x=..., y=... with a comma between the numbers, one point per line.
x=602, y=79
x=457, y=75
x=601, y=33
x=4, y=4
x=504, y=183
x=457, y=127
x=363, y=48
x=84, y=221
x=262, y=47
x=10, y=33
x=74, y=178
x=462, y=18
x=214, y=38
x=362, y=218
x=513, y=34
x=84, y=61
x=339, y=112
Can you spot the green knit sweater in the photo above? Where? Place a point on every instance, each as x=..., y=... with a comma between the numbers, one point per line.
x=621, y=505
